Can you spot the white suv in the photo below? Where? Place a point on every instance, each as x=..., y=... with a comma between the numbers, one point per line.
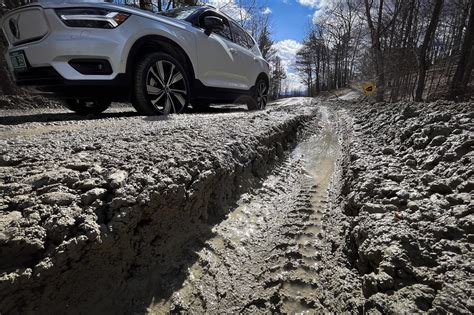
x=91, y=54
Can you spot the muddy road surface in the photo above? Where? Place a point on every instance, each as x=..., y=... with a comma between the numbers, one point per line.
x=209, y=211
x=267, y=254
x=309, y=206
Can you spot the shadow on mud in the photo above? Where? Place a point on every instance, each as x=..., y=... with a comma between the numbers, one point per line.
x=56, y=117
x=30, y=117
x=143, y=243
x=218, y=109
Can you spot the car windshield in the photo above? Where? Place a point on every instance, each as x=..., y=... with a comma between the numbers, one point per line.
x=180, y=13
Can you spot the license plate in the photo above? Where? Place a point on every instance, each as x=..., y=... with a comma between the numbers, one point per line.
x=18, y=60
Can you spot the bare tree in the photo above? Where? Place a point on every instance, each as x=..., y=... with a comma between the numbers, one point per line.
x=375, y=33
x=304, y=65
x=463, y=72
x=265, y=44
x=278, y=74
x=422, y=62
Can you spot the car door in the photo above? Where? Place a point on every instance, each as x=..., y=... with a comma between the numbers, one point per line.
x=247, y=59
x=217, y=64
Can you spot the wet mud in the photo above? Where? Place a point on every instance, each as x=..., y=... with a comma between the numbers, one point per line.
x=268, y=253
x=106, y=215
x=307, y=207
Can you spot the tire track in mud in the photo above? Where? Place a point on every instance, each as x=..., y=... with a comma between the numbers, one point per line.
x=266, y=255
x=113, y=218
x=299, y=290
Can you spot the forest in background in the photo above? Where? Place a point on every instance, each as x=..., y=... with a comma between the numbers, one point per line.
x=411, y=49
x=418, y=50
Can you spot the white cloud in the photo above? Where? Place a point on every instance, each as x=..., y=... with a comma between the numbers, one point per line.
x=323, y=14
x=266, y=11
x=316, y=4
x=321, y=7
x=230, y=8
x=286, y=50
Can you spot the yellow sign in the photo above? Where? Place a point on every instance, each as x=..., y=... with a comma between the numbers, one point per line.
x=369, y=88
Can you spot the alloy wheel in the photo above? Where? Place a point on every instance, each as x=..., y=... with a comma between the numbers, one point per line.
x=262, y=95
x=165, y=87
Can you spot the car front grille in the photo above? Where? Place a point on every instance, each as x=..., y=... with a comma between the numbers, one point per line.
x=38, y=76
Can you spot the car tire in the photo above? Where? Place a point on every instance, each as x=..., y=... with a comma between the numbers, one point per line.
x=259, y=98
x=161, y=86
x=87, y=107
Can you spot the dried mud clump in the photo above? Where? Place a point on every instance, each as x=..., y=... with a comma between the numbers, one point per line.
x=410, y=192
x=93, y=219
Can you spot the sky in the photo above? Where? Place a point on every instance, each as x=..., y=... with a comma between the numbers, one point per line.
x=289, y=21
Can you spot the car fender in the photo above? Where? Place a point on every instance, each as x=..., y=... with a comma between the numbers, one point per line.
x=179, y=34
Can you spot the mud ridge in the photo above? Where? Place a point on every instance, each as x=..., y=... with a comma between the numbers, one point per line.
x=407, y=194
x=272, y=254
x=105, y=219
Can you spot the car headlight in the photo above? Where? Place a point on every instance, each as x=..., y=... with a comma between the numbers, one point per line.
x=91, y=17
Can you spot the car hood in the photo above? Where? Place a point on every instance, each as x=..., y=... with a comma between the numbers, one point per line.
x=105, y=5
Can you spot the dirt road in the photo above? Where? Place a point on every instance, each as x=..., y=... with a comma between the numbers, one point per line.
x=118, y=209
x=266, y=255
x=308, y=206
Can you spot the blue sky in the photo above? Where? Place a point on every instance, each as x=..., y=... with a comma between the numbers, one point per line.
x=289, y=23
x=289, y=20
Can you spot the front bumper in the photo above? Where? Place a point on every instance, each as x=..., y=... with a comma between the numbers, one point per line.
x=46, y=80
x=62, y=44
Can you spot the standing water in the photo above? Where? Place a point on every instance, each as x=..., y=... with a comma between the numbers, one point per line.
x=319, y=154
x=264, y=256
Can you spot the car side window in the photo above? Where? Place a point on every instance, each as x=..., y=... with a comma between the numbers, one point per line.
x=226, y=33
x=241, y=37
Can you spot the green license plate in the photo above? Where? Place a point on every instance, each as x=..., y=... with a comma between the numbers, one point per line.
x=18, y=60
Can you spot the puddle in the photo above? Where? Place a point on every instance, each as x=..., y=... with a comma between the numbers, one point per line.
x=319, y=154
x=233, y=262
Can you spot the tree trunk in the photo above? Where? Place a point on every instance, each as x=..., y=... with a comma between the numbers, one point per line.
x=468, y=72
x=423, y=63
x=463, y=71
x=318, y=71
x=458, y=35
x=380, y=73
x=377, y=53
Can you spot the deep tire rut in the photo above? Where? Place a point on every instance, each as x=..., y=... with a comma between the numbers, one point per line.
x=266, y=256
x=109, y=219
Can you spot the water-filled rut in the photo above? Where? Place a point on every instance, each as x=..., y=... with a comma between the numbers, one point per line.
x=265, y=256
x=108, y=219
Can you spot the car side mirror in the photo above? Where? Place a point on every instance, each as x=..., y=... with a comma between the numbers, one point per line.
x=213, y=24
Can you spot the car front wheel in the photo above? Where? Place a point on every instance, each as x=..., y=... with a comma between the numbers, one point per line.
x=86, y=107
x=260, y=96
x=161, y=86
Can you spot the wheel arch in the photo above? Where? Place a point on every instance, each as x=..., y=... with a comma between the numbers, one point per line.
x=262, y=75
x=265, y=77
x=158, y=43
